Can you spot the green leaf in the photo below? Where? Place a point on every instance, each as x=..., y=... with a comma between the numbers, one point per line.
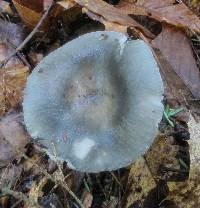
x=168, y=112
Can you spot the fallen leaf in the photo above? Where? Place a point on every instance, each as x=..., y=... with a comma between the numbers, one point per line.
x=147, y=183
x=87, y=199
x=12, y=83
x=140, y=184
x=34, y=57
x=66, y=4
x=194, y=5
x=175, y=48
x=35, y=162
x=4, y=200
x=36, y=190
x=29, y=11
x=13, y=138
x=174, y=71
x=113, y=14
x=9, y=175
x=168, y=11
x=67, y=10
x=13, y=75
x=110, y=26
x=32, y=11
x=5, y=8
x=187, y=193
x=167, y=152
x=11, y=35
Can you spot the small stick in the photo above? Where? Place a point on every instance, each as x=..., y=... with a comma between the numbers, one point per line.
x=56, y=181
x=26, y=40
x=117, y=180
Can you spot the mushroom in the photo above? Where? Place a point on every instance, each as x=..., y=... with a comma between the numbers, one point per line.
x=96, y=100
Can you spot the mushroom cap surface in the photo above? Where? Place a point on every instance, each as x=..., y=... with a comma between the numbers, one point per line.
x=96, y=101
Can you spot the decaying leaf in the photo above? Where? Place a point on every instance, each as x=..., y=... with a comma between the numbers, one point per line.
x=11, y=35
x=36, y=190
x=167, y=152
x=172, y=45
x=175, y=48
x=9, y=175
x=66, y=10
x=110, y=13
x=194, y=5
x=32, y=11
x=147, y=184
x=66, y=4
x=13, y=75
x=87, y=199
x=140, y=184
x=12, y=83
x=187, y=194
x=176, y=91
x=4, y=200
x=169, y=11
x=13, y=138
x=5, y=7
x=29, y=11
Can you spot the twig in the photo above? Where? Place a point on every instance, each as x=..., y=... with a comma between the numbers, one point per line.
x=101, y=187
x=21, y=56
x=56, y=181
x=117, y=180
x=26, y=40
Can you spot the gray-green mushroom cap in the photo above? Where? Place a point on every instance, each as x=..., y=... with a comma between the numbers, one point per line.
x=96, y=101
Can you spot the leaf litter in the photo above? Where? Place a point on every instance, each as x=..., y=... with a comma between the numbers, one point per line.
x=167, y=174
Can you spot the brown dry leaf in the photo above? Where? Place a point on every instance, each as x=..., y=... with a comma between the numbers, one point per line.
x=66, y=4
x=176, y=91
x=87, y=199
x=36, y=190
x=175, y=48
x=167, y=152
x=187, y=194
x=13, y=138
x=66, y=9
x=35, y=162
x=194, y=5
x=5, y=7
x=13, y=76
x=169, y=11
x=30, y=11
x=9, y=175
x=147, y=184
x=4, y=200
x=110, y=13
x=11, y=35
x=12, y=83
x=140, y=184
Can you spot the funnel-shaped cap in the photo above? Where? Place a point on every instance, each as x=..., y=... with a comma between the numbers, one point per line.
x=98, y=98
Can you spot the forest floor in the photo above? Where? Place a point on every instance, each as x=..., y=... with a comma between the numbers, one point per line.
x=167, y=175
